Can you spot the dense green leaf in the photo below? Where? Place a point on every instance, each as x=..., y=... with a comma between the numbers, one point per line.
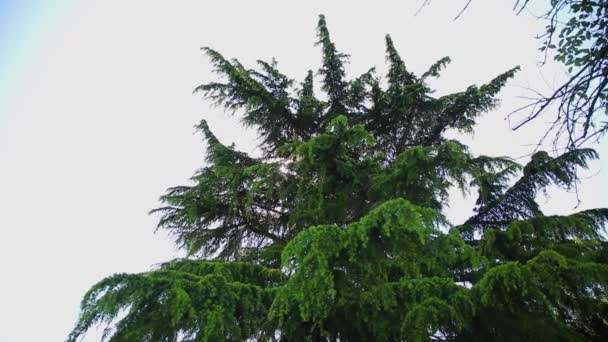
x=336, y=232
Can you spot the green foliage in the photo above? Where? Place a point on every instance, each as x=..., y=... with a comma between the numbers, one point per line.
x=192, y=300
x=336, y=232
x=363, y=273
x=231, y=206
x=501, y=207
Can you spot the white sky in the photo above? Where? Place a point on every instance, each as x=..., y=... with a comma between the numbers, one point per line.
x=97, y=116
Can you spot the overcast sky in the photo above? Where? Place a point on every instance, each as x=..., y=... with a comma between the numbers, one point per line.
x=97, y=116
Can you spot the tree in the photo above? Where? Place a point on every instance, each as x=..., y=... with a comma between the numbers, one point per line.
x=336, y=232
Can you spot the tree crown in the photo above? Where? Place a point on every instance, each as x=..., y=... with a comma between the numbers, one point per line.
x=336, y=231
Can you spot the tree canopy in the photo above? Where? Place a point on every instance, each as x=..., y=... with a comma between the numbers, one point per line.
x=336, y=232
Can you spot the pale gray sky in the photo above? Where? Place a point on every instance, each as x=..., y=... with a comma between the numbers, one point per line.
x=97, y=116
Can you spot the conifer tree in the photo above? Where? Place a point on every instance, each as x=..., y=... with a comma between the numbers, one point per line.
x=336, y=234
